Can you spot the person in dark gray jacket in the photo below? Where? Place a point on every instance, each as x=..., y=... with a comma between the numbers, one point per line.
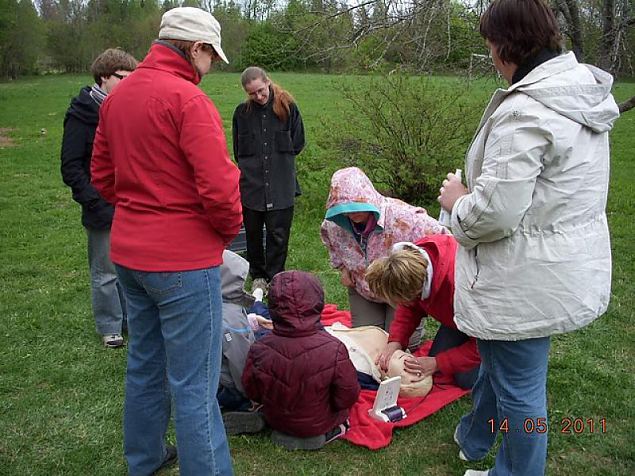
x=80, y=123
x=268, y=134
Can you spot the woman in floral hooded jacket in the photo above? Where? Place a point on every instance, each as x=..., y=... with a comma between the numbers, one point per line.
x=360, y=226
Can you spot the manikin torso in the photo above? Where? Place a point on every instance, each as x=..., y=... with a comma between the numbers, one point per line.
x=365, y=344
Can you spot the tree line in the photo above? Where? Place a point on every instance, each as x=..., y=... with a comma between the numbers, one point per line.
x=301, y=35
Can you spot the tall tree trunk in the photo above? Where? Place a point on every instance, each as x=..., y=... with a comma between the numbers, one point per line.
x=606, y=60
x=571, y=12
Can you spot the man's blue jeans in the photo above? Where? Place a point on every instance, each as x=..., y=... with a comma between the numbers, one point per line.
x=109, y=303
x=174, y=351
x=510, y=397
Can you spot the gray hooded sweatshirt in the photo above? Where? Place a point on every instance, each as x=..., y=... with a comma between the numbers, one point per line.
x=237, y=334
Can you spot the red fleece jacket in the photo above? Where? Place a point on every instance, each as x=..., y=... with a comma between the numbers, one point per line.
x=439, y=305
x=161, y=158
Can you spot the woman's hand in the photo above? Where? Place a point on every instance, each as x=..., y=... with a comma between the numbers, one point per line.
x=346, y=279
x=386, y=354
x=421, y=367
x=451, y=190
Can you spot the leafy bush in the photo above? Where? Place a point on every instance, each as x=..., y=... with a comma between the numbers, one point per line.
x=407, y=132
x=270, y=49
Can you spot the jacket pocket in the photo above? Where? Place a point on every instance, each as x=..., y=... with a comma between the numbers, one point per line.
x=476, y=269
x=246, y=145
x=283, y=141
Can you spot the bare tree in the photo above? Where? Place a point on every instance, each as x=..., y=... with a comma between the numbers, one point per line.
x=614, y=19
x=570, y=10
x=413, y=32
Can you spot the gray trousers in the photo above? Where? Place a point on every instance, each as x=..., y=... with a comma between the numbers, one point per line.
x=369, y=313
x=109, y=303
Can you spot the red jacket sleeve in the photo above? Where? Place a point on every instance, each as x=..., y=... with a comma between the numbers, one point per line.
x=203, y=143
x=102, y=170
x=407, y=318
x=459, y=359
x=344, y=387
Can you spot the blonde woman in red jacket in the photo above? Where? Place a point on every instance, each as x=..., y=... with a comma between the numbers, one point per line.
x=160, y=157
x=419, y=278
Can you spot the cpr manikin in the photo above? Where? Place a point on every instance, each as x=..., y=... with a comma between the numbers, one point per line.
x=365, y=344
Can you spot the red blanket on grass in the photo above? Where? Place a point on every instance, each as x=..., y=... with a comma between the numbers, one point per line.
x=374, y=434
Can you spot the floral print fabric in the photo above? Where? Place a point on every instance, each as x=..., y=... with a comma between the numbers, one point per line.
x=398, y=221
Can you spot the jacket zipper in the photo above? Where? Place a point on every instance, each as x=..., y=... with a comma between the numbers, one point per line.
x=365, y=247
x=477, y=268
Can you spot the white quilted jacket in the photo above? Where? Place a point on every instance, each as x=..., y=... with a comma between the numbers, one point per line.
x=535, y=256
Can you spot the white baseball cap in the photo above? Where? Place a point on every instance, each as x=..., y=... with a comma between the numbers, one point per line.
x=192, y=24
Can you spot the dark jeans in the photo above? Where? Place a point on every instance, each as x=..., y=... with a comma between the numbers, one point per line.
x=231, y=400
x=448, y=338
x=266, y=263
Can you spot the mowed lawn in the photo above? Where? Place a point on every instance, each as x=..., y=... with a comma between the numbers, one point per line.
x=61, y=392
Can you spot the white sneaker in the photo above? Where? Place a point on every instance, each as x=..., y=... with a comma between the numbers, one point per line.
x=473, y=472
x=462, y=456
x=112, y=340
x=258, y=294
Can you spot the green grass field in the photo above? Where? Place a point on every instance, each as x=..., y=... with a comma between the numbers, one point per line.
x=61, y=392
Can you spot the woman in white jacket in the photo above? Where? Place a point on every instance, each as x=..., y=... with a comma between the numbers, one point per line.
x=535, y=256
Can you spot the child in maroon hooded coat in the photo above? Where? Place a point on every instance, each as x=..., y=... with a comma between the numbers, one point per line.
x=301, y=374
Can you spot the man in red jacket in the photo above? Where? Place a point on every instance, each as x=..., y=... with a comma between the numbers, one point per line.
x=300, y=373
x=419, y=278
x=160, y=157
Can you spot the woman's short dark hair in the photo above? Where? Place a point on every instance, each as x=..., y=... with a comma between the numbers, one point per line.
x=520, y=29
x=111, y=61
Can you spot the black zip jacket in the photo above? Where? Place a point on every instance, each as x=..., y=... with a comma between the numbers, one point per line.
x=80, y=124
x=265, y=149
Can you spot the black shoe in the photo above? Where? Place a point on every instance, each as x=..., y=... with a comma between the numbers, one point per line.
x=243, y=422
x=295, y=443
x=169, y=459
x=337, y=432
x=312, y=442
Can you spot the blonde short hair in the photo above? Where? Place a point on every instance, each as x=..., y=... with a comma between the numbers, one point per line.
x=398, y=277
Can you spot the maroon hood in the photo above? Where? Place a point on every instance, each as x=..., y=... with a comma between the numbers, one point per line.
x=296, y=300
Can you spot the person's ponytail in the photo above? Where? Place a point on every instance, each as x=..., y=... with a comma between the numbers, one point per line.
x=282, y=101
